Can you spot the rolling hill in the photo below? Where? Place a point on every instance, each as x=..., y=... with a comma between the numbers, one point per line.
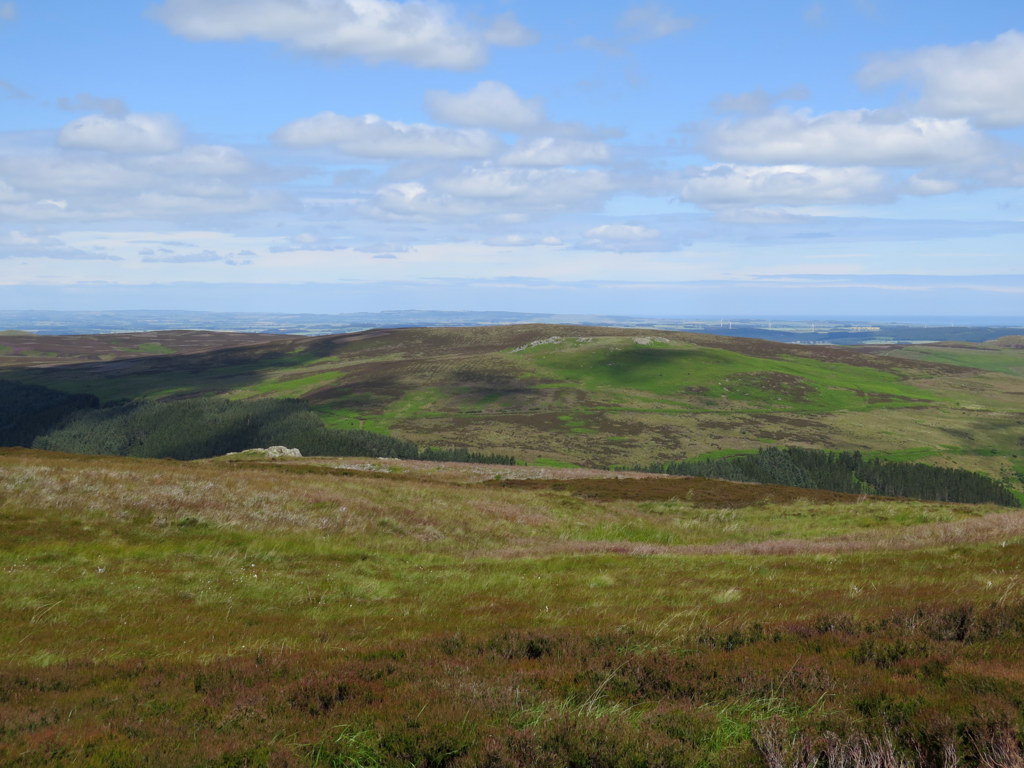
x=586, y=396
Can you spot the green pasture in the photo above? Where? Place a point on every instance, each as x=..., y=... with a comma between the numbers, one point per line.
x=797, y=384
x=1009, y=361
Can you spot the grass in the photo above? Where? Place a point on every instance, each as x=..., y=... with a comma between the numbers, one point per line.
x=782, y=383
x=1009, y=361
x=289, y=386
x=378, y=612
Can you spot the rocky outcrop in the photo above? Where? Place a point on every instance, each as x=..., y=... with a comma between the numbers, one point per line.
x=273, y=452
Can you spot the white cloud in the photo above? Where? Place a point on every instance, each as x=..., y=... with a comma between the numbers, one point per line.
x=195, y=181
x=371, y=136
x=130, y=133
x=200, y=160
x=8, y=11
x=924, y=185
x=558, y=187
x=523, y=241
x=854, y=137
x=56, y=174
x=418, y=32
x=651, y=21
x=510, y=194
x=212, y=202
x=981, y=80
x=728, y=184
x=624, y=238
x=623, y=233
x=490, y=105
x=550, y=151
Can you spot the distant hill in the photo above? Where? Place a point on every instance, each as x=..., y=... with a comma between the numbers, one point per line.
x=585, y=395
x=21, y=348
x=793, y=330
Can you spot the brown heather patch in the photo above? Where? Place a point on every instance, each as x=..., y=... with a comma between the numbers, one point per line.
x=828, y=692
x=701, y=491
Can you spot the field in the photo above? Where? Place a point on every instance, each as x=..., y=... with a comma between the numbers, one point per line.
x=589, y=396
x=362, y=612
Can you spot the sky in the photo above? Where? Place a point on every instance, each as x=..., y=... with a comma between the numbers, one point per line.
x=838, y=158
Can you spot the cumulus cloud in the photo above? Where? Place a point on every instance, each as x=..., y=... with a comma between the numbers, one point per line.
x=190, y=203
x=194, y=182
x=650, y=22
x=128, y=133
x=489, y=104
x=548, y=151
x=624, y=238
x=418, y=32
x=522, y=241
x=199, y=160
x=55, y=174
x=507, y=193
x=556, y=187
x=727, y=184
x=623, y=232
x=372, y=136
x=982, y=80
x=853, y=137
x=923, y=185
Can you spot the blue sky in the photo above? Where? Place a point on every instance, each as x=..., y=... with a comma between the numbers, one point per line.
x=839, y=158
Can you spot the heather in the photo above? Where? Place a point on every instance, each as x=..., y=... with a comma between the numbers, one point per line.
x=371, y=612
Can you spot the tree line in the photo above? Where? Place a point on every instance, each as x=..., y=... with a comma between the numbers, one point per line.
x=847, y=472
x=194, y=428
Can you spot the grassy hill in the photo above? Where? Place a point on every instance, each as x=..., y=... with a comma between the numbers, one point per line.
x=354, y=612
x=600, y=396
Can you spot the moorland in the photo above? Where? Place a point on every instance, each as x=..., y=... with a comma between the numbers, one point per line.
x=578, y=395
x=347, y=611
